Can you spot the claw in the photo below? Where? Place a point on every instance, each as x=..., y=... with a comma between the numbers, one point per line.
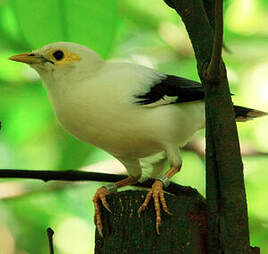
x=164, y=204
x=104, y=202
x=98, y=224
x=145, y=203
x=100, y=196
x=158, y=196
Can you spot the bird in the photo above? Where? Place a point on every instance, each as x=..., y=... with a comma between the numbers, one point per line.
x=139, y=115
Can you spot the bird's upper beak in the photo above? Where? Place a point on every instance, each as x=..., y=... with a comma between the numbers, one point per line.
x=28, y=58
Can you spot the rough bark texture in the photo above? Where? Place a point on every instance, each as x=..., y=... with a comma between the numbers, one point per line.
x=226, y=200
x=183, y=232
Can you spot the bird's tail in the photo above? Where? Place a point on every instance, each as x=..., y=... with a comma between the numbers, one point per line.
x=243, y=114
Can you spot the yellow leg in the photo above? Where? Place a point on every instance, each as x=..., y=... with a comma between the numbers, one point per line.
x=158, y=196
x=100, y=198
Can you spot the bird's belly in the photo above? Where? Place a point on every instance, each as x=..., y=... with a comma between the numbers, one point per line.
x=119, y=137
x=127, y=130
x=117, y=143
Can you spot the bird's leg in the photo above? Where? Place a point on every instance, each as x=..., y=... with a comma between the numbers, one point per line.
x=158, y=195
x=100, y=198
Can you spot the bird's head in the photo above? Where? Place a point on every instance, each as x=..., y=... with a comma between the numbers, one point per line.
x=62, y=61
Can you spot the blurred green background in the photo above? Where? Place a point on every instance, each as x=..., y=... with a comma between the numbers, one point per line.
x=145, y=32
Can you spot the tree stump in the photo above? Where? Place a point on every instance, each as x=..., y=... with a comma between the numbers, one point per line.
x=124, y=232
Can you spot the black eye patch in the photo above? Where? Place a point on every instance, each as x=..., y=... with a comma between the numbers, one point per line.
x=58, y=55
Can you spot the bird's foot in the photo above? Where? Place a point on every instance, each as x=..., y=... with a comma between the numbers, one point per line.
x=100, y=196
x=158, y=196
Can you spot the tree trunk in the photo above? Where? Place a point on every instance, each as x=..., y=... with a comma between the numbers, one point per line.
x=183, y=232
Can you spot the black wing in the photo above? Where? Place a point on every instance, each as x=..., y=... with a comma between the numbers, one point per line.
x=184, y=89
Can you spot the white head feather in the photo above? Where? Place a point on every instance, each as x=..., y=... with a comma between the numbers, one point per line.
x=78, y=62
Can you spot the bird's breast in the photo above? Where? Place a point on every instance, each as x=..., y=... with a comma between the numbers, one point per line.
x=110, y=126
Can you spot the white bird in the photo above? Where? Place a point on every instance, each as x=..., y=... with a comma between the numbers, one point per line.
x=137, y=114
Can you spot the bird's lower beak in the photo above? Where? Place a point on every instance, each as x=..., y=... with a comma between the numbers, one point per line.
x=28, y=58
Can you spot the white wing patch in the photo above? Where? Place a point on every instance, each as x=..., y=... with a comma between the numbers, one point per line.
x=163, y=101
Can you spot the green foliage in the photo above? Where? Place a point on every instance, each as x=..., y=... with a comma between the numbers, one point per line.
x=36, y=22
x=147, y=32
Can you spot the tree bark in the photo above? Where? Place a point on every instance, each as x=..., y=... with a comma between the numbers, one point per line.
x=225, y=192
x=124, y=232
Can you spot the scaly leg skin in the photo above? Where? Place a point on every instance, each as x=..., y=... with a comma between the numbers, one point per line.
x=100, y=198
x=158, y=195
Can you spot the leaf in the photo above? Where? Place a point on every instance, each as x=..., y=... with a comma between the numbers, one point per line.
x=92, y=23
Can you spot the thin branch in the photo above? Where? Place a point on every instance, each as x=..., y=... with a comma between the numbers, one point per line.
x=62, y=175
x=213, y=70
x=170, y=3
x=50, y=234
x=209, y=6
x=76, y=175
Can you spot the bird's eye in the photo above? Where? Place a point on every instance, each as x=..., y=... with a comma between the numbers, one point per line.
x=58, y=55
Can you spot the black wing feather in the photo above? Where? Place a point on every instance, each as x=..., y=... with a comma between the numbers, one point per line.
x=186, y=90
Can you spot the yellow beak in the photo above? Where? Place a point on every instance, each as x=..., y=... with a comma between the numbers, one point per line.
x=28, y=58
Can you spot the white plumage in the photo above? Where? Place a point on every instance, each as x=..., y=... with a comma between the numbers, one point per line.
x=139, y=115
x=95, y=101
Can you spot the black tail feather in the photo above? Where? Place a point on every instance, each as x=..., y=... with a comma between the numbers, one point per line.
x=243, y=114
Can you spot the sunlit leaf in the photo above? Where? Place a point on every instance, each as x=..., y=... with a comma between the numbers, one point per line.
x=87, y=22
